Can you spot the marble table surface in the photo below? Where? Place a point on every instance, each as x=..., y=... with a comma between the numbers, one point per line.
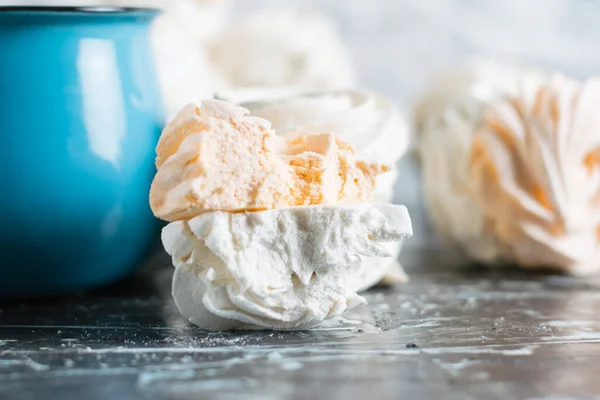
x=456, y=331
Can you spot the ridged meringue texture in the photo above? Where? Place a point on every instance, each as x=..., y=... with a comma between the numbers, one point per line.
x=214, y=157
x=514, y=176
x=368, y=121
x=276, y=48
x=278, y=269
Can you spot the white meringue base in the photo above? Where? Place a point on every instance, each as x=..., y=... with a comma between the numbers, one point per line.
x=281, y=269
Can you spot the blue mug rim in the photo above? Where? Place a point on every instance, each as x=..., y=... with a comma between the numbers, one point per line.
x=88, y=10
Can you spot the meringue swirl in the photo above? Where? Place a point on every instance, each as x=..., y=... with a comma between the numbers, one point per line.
x=510, y=166
x=535, y=165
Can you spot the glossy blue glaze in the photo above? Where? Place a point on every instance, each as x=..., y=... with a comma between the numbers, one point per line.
x=80, y=115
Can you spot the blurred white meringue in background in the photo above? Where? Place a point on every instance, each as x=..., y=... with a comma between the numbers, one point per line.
x=180, y=37
x=511, y=165
x=184, y=70
x=287, y=48
x=368, y=121
x=445, y=119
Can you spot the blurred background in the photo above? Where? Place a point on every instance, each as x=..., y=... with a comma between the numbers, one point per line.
x=397, y=44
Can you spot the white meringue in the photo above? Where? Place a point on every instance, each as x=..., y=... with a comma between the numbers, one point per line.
x=180, y=38
x=282, y=48
x=511, y=169
x=445, y=118
x=184, y=70
x=369, y=122
x=278, y=269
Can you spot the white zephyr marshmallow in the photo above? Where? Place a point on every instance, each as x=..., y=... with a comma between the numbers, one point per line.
x=285, y=269
x=511, y=166
x=446, y=117
x=366, y=120
x=180, y=37
x=276, y=48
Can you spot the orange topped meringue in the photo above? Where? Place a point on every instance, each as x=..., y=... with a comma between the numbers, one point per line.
x=215, y=157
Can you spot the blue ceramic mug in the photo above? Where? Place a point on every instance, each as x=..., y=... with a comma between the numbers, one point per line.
x=80, y=115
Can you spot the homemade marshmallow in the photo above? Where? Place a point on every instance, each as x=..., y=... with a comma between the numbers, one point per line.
x=511, y=166
x=266, y=231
